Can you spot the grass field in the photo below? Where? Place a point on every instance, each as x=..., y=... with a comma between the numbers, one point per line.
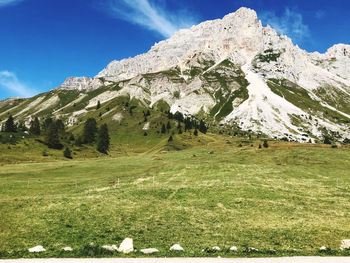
x=288, y=199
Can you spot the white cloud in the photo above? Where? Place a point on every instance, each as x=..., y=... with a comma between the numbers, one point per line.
x=8, y=2
x=290, y=24
x=151, y=16
x=9, y=81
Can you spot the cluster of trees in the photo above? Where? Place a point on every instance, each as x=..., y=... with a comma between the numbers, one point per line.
x=11, y=126
x=92, y=134
x=189, y=123
x=54, y=131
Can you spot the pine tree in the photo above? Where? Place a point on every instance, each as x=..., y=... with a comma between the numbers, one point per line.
x=103, y=139
x=168, y=125
x=90, y=130
x=35, y=126
x=327, y=140
x=10, y=125
x=60, y=125
x=265, y=144
x=47, y=123
x=195, y=133
x=170, y=138
x=98, y=105
x=51, y=138
x=67, y=153
x=202, y=127
x=163, y=129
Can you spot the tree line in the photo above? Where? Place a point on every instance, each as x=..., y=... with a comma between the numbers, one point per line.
x=54, y=130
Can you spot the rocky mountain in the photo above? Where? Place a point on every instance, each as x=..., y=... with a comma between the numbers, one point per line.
x=230, y=71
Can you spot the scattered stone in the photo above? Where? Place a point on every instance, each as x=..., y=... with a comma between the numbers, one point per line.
x=37, y=249
x=345, y=244
x=149, y=250
x=216, y=248
x=233, y=248
x=92, y=244
x=126, y=246
x=252, y=249
x=67, y=249
x=176, y=247
x=110, y=248
x=323, y=248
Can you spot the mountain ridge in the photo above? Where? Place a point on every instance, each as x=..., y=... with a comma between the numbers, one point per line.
x=230, y=71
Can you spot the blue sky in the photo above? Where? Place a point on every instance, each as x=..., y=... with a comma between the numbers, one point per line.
x=42, y=42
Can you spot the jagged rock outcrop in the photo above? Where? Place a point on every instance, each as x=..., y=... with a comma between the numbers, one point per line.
x=81, y=83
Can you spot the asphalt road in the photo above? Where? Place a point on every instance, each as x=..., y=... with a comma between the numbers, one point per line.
x=185, y=260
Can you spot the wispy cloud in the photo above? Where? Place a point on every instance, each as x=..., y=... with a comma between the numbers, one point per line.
x=10, y=82
x=151, y=15
x=290, y=23
x=9, y=2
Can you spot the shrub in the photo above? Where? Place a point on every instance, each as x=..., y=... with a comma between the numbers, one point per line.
x=265, y=144
x=327, y=140
x=67, y=153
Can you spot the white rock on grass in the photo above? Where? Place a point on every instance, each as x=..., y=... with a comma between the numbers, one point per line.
x=67, y=249
x=345, y=244
x=126, y=246
x=149, y=250
x=37, y=249
x=233, y=248
x=323, y=248
x=110, y=248
x=216, y=248
x=176, y=247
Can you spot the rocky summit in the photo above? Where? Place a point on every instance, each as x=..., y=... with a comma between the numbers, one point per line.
x=230, y=71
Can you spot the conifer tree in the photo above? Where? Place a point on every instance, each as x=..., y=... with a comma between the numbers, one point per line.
x=265, y=144
x=170, y=138
x=103, y=140
x=195, y=133
x=202, y=127
x=51, y=138
x=10, y=125
x=60, y=125
x=47, y=122
x=90, y=130
x=98, y=105
x=163, y=129
x=168, y=125
x=327, y=140
x=35, y=126
x=67, y=153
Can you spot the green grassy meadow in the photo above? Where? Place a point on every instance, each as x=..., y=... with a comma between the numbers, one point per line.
x=288, y=199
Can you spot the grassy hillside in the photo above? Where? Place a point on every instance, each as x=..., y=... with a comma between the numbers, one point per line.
x=288, y=199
